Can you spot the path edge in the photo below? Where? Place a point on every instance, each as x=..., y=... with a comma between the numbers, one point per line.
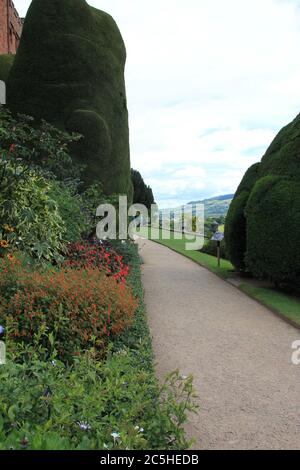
x=238, y=287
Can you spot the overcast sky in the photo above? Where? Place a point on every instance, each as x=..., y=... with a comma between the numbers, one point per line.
x=209, y=84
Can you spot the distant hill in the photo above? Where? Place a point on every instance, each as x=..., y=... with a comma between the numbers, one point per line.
x=214, y=207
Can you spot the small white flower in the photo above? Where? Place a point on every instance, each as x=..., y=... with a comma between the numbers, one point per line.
x=115, y=436
x=84, y=426
x=138, y=429
x=184, y=377
x=105, y=446
x=121, y=352
x=53, y=363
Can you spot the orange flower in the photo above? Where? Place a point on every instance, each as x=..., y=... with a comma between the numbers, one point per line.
x=3, y=244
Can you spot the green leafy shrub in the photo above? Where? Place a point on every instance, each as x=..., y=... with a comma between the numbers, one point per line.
x=70, y=207
x=90, y=406
x=40, y=147
x=273, y=249
x=27, y=207
x=82, y=308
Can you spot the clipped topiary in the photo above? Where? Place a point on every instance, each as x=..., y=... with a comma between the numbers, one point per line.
x=273, y=227
x=6, y=63
x=69, y=70
x=235, y=227
x=269, y=211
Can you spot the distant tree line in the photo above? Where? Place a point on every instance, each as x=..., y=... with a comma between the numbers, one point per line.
x=142, y=193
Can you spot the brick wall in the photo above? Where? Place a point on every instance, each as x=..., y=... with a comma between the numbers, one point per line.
x=10, y=27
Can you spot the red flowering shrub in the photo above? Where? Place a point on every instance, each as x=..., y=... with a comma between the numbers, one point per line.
x=97, y=255
x=81, y=307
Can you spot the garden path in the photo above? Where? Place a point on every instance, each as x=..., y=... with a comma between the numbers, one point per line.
x=239, y=353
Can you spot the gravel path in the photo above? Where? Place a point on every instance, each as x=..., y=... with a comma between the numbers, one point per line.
x=238, y=351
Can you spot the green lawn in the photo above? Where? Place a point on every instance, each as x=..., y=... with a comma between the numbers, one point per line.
x=286, y=305
x=203, y=259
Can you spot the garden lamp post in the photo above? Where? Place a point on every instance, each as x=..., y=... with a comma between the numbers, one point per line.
x=217, y=237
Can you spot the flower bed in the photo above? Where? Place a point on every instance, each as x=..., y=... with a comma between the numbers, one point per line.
x=112, y=403
x=81, y=308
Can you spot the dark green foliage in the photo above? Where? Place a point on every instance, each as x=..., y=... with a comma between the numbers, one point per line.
x=210, y=248
x=283, y=155
x=142, y=194
x=69, y=70
x=70, y=208
x=6, y=62
x=263, y=223
x=235, y=231
x=273, y=226
x=249, y=180
x=235, y=227
x=40, y=147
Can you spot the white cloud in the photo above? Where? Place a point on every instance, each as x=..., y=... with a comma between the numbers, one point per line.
x=209, y=84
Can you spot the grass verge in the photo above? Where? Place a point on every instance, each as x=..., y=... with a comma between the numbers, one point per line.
x=284, y=305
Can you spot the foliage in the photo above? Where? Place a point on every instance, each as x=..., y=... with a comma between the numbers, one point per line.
x=71, y=209
x=26, y=207
x=39, y=147
x=235, y=231
x=269, y=214
x=97, y=254
x=236, y=225
x=91, y=199
x=90, y=406
x=210, y=247
x=81, y=308
x=273, y=249
x=111, y=404
x=6, y=62
x=85, y=94
x=142, y=194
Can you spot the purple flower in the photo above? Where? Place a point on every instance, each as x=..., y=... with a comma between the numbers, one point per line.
x=84, y=426
x=2, y=330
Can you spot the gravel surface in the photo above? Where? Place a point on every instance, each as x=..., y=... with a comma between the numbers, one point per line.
x=239, y=353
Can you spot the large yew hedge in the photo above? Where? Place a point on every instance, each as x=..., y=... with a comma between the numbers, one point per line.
x=263, y=225
x=69, y=70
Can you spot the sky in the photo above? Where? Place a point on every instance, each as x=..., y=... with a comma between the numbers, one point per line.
x=209, y=85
